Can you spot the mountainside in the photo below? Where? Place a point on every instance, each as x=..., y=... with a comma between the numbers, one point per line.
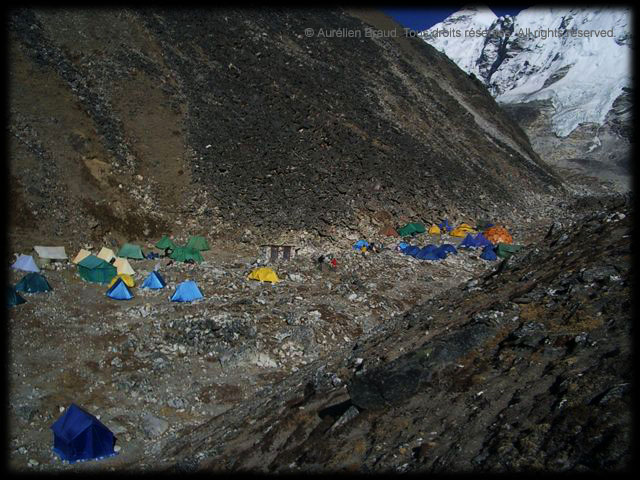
x=564, y=74
x=125, y=124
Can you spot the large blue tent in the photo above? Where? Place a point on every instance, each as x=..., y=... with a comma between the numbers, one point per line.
x=154, y=280
x=119, y=291
x=187, y=291
x=78, y=435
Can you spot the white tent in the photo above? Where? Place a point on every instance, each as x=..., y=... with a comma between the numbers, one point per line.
x=51, y=253
x=123, y=266
x=106, y=254
x=82, y=254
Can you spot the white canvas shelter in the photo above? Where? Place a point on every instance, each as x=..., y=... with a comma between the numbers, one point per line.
x=123, y=266
x=106, y=254
x=51, y=253
x=82, y=254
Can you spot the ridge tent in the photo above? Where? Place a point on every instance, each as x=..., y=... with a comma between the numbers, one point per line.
x=186, y=291
x=165, y=242
x=46, y=254
x=434, y=230
x=33, y=283
x=81, y=255
x=123, y=266
x=182, y=254
x=359, y=244
x=462, y=230
x=154, y=280
x=78, y=435
x=197, y=243
x=411, y=229
x=504, y=250
x=94, y=269
x=106, y=254
x=26, y=264
x=13, y=298
x=264, y=274
x=498, y=235
x=481, y=241
x=468, y=242
x=119, y=290
x=129, y=250
x=127, y=279
x=488, y=253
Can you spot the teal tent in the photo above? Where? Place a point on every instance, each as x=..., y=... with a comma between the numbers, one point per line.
x=96, y=270
x=33, y=283
x=13, y=298
x=197, y=243
x=129, y=250
x=411, y=229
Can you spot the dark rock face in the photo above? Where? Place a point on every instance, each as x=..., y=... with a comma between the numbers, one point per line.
x=471, y=381
x=238, y=117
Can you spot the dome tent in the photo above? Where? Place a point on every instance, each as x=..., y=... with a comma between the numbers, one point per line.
x=264, y=274
x=119, y=291
x=197, y=243
x=498, y=235
x=187, y=291
x=78, y=435
x=183, y=254
x=26, y=264
x=488, y=253
x=411, y=229
x=13, y=298
x=165, y=242
x=468, y=242
x=33, y=283
x=154, y=281
x=129, y=250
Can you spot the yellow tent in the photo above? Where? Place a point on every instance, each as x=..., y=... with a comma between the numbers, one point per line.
x=127, y=279
x=123, y=266
x=264, y=274
x=82, y=254
x=106, y=254
x=434, y=230
x=462, y=230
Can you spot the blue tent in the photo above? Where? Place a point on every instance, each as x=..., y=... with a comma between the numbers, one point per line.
x=468, y=242
x=78, y=435
x=482, y=241
x=412, y=250
x=119, y=291
x=154, y=280
x=25, y=263
x=427, y=250
x=361, y=243
x=448, y=248
x=187, y=291
x=488, y=253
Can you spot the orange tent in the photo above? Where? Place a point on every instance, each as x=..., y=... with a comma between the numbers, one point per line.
x=498, y=235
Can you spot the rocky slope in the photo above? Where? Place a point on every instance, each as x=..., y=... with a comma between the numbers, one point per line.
x=526, y=368
x=125, y=124
x=564, y=74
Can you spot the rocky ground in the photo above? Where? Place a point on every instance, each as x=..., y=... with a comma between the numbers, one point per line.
x=157, y=373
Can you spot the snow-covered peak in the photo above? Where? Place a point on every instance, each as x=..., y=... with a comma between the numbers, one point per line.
x=578, y=58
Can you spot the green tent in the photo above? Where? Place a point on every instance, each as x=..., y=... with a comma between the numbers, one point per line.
x=13, y=298
x=94, y=269
x=197, y=243
x=165, y=242
x=504, y=250
x=33, y=283
x=129, y=250
x=411, y=229
x=182, y=254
